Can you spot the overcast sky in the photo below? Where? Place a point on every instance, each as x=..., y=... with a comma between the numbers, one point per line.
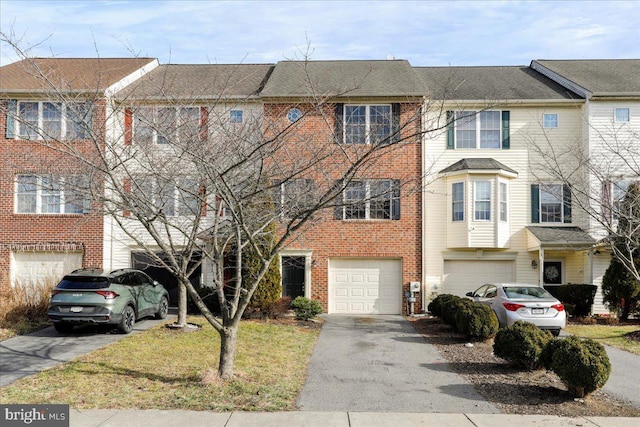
x=435, y=33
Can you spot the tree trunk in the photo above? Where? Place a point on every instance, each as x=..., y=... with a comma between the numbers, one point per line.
x=182, y=305
x=228, y=341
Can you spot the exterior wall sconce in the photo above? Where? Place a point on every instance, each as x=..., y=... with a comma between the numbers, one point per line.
x=314, y=263
x=534, y=264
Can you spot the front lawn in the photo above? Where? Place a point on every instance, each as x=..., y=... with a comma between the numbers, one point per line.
x=624, y=337
x=165, y=369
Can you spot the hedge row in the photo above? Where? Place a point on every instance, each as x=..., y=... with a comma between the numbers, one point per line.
x=475, y=321
x=577, y=298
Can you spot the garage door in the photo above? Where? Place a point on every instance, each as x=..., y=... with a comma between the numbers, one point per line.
x=365, y=286
x=461, y=277
x=42, y=267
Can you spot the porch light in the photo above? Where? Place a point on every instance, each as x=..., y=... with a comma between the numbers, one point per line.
x=534, y=264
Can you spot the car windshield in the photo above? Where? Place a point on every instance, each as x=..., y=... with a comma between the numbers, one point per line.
x=83, y=283
x=526, y=292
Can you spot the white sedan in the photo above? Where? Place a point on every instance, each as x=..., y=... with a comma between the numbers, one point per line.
x=516, y=301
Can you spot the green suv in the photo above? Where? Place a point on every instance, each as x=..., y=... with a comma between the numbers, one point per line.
x=90, y=296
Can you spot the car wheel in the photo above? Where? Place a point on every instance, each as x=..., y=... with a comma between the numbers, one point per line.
x=128, y=320
x=163, y=308
x=63, y=328
x=555, y=332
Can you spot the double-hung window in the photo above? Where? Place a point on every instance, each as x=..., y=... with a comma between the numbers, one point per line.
x=34, y=120
x=504, y=201
x=457, y=201
x=181, y=197
x=367, y=124
x=482, y=201
x=551, y=203
x=619, y=191
x=370, y=199
x=48, y=194
x=478, y=129
x=235, y=117
x=167, y=125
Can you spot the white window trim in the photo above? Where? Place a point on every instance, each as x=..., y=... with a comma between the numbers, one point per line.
x=463, y=202
x=475, y=200
x=544, y=124
x=368, y=200
x=367, y=129
x=178, y=206
x=153, y=126
x=615, y=115
x=478, y=130
x=502, y=202
x=549, y=184
x=64, y=118
x=40, y=193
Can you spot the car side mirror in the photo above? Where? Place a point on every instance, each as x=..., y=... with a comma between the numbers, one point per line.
x=469, y=294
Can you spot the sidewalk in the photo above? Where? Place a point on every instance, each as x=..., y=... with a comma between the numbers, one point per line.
x=156, y=418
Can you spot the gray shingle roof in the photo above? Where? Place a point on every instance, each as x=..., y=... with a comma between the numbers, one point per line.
x=561, y=235
x=601, y=77
x=490, y=84
x=390, y=78
x=477, y=164
x=66, y=74
x=200, y=81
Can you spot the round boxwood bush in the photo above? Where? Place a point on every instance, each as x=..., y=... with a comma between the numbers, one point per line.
x=306, y=308
x=522, y=344
x=582, y=365
x=435, y=306
x=451, y=308
x=477, y=321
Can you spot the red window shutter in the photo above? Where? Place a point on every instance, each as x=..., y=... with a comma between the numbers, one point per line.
x=128, y=127
x=126, y=187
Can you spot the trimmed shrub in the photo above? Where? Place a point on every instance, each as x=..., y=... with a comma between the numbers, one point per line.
x=582, y=365
x=476, y=321
x=306, y=308
x=450, y=309
x=435, y=306
x=522, y=344
x=577, y=298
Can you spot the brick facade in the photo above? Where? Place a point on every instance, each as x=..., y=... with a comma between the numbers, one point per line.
x=329, y=238
x=45, y=232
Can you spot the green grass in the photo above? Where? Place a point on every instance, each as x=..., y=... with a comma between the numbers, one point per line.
x=613, y=335
x=165, y=369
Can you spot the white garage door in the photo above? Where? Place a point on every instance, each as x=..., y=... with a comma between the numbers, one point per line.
x=42, y=267
x=461, y=277
x=365, y=286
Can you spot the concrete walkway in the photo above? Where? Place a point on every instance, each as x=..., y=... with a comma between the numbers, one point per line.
x=133, y=418
x=29, y=354
x=381, y=364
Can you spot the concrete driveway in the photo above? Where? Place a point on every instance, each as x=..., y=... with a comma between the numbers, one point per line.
x=381, y=364
x=29, y=354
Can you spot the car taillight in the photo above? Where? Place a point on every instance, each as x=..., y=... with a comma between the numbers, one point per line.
x=559, y=307
x=107, y=294
x=55, y=292
x=512, y=306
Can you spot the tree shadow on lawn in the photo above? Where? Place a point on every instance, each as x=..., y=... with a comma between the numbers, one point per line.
x=102, y=368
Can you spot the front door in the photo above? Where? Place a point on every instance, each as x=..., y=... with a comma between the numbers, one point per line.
x=552, y=273
x=293, y=274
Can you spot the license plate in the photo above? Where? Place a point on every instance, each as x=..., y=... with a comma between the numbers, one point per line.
x=75, y=309
x=537, y=310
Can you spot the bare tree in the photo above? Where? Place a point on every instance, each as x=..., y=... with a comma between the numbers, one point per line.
x=598, y=167
x=188, y=187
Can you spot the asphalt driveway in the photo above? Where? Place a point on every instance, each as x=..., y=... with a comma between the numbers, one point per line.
x=381, y=364
x=29, y=354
